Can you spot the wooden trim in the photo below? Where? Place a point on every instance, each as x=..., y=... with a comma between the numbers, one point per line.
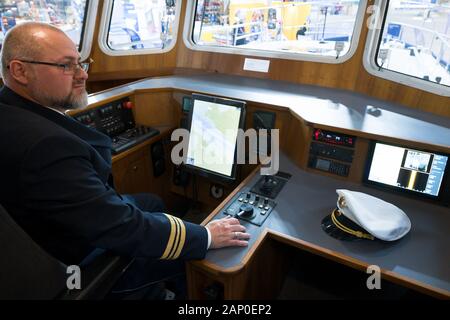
x=127, y=74
x=358, y=264
x=156, y=108
x=298, y=132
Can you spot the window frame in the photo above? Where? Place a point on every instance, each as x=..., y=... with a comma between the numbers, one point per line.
x=189, y=43
x=370, y=53
x=104, y=29
x=87, y=31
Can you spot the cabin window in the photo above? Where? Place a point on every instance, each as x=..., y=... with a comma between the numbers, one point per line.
x=139, y=26
x=409, y=42
x=76, y=18
x=315, y=30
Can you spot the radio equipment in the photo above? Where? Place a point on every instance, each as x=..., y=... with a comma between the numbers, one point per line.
x=116, y=120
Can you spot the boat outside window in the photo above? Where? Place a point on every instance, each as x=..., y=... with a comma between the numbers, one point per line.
x=303, y=28
x=415, y=40
x=68, y=15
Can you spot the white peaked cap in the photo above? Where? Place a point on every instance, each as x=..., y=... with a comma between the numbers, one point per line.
x=381, y=219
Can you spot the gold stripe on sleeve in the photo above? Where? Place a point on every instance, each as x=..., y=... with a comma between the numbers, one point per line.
x=176, y=240
x=170, y=242
x=182, y=238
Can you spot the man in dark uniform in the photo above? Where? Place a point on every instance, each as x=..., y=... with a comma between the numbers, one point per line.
x=56, y=171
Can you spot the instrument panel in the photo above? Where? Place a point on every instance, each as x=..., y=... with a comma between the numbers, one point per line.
x=116, y=120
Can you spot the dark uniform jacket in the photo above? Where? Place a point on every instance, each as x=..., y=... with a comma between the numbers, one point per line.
x=54, y=183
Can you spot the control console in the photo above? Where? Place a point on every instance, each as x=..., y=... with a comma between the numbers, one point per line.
x=131, y=137
x=257, y=204
x=116, y=120
x=251, y=207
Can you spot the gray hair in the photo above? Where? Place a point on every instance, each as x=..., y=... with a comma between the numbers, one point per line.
x=20, y=43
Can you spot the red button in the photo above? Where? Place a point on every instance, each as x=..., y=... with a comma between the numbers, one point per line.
x=128, y=105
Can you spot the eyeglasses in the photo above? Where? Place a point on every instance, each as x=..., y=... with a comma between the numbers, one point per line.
x=69, y=68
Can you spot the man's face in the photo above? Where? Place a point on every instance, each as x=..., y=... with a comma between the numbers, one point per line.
x=51, y=85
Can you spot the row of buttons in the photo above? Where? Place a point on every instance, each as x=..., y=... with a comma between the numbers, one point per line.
x=250, y=207
x=86, y=119
x=264, y=205
x=108, y=110
x=339, y=169
x=132, y=137
x=333, y=152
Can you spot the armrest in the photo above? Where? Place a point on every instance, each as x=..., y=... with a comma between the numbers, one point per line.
x=98, y=276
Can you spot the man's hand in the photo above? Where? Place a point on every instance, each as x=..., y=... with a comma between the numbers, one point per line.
x=227, y=232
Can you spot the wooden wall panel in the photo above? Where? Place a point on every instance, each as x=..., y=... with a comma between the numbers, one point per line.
x=155, y=109
x=349, y=75
x=128, y=67
x=297, y=140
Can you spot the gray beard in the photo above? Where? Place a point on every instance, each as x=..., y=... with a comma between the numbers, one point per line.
x=71, y=102
x=75, y=103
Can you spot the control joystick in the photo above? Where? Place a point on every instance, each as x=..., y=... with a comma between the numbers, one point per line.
x=268, y=185
x=245, y=210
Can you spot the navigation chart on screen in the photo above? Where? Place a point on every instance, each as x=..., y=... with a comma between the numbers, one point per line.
x=212, y=140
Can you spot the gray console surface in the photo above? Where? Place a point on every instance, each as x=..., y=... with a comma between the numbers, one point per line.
x=422, y=255
x=341, y=109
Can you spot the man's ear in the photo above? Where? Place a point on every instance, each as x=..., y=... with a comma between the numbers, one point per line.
x=19, y=72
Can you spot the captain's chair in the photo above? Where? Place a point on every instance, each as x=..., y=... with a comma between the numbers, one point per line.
x=28, y=272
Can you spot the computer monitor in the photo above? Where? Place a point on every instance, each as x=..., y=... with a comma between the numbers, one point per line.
x=407, y=170
x=213, y=126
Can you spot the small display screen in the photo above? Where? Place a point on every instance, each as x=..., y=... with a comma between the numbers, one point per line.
x=333, y=138
x=187, y=104
x=404, y=168
x=323, y=164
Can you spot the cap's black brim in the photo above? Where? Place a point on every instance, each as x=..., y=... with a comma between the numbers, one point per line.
x=329, y=227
